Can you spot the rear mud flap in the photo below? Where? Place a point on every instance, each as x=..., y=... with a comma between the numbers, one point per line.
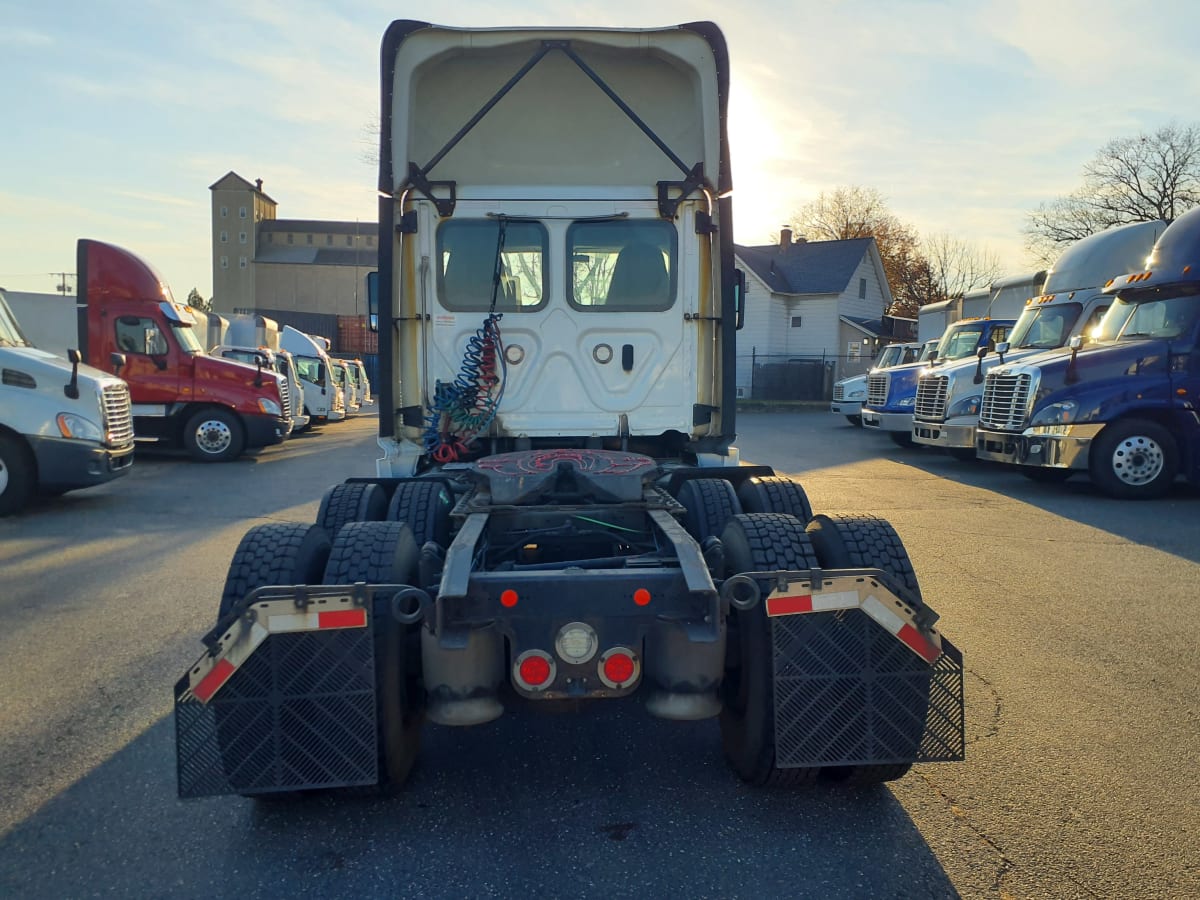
x=857, y=683
x=286, y=699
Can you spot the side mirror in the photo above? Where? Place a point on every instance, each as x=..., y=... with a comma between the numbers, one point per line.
x=71, y=388
x=117, y=361
x=739, y=299
x=1002, y=347
x=981, y=352
x=1075, y=342
x=373, y=301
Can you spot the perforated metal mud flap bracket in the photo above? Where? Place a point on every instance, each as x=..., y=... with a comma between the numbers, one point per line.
x=860, y=676
x=284, y=699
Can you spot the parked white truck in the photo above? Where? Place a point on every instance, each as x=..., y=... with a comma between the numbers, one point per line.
x=322, y=398
x=560, y=518
x=63, y=425
x=948, y=397
x=247, y=338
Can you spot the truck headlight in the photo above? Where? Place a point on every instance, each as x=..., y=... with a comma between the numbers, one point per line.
x=1061, y=413
x=963, y=406
x=78, y=428
x=270, y=407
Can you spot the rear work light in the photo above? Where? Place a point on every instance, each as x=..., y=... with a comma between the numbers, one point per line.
x=534, y=670
x=619, y=667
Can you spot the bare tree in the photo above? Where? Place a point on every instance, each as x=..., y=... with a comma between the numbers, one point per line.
x=957, y=266
x=1134, y=179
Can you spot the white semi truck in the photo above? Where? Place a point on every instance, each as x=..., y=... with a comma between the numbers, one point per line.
x=251, y=338
x=323, y=401
x=559, y=517
x=63, y=425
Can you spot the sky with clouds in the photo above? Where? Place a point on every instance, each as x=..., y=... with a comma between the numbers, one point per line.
x=964, y=115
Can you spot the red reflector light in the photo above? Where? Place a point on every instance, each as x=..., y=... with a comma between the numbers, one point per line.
x=534, y=670
x=619, y=668
x=641, y=596
x=508, y=598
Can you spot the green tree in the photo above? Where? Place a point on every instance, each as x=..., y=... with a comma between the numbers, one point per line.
x=196, y=301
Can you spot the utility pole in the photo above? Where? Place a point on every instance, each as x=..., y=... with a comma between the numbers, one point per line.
x=62, y=277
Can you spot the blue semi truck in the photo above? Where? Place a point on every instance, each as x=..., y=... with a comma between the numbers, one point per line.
x=1123, y=409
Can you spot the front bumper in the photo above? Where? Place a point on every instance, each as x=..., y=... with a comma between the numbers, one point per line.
x=1068, y=448
x=263, y=431
x=846, y=407
x=887, y=421
x=66, y=465
x=944, y=434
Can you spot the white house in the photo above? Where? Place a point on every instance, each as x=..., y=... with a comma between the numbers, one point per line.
x=814, y=304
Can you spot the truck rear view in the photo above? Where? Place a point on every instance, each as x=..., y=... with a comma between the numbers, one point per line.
x=560, y=513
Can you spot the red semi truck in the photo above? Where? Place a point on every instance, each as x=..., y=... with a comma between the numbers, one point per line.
x=212, y=408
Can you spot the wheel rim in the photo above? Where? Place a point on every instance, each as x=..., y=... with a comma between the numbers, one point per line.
x=1138, y=460
x=213, y=436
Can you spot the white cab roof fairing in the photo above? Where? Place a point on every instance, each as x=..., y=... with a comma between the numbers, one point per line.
x=555, y=125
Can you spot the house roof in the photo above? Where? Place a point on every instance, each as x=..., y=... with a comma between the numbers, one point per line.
x=364, y=257
x=319, y=226
x=870, y=327
x=233, y=181
x=808, y=267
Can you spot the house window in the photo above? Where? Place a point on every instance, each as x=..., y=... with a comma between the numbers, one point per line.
x=241, y=212
x=241, y=237
x=224, y=262
x=290, y=237
x=224, y=237
x=796, y=321
x=242, y=263
x=862, y=289
x=224, y=211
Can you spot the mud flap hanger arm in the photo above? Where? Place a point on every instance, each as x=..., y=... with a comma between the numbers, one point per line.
x=418, y=176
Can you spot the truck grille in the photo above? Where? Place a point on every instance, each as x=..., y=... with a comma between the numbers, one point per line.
x=1005, y=401
x=839, y=392
x=931, y=398
x=877, y=390
x=285, y=397
x=118, y=416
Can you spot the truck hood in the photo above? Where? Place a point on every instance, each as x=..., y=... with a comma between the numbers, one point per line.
x=216, y=370
x=43, y=366
x=1104, y=374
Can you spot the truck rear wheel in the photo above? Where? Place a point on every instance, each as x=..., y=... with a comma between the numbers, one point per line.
x=279, y=553
x=865, y=542
x=17, y=475
x=710, y=503
x=386, y=553
x=773, y=494
x=214, y=435
x=1134, y=459
x=757, y=542
x=425, y=507
x=357, y=501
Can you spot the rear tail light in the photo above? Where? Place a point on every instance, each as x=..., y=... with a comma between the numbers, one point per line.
x=534, y=670
x=619, y=667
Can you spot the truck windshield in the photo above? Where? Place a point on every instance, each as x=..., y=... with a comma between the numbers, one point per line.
x=1045, y=327
x=1132, y=317
x=311, y=369
x=959, y=343
x=186, y=336
x=10, y=332
x=888, y=356
x=622, y=265
x=467, y=255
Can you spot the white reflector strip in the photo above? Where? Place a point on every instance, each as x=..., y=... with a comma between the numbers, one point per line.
x=881, y=614
x=317, y=621
x=834, y=600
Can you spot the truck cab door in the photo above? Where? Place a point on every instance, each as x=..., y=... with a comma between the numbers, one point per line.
x=152, y=362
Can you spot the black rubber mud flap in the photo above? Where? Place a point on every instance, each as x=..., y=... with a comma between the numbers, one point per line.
x=298, y=712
